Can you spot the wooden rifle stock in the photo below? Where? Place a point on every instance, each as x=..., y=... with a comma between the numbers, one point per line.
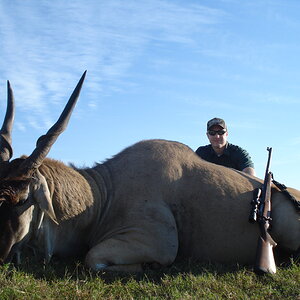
x=265, y=262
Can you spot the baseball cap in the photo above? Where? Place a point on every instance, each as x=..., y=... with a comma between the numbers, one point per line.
x=216, y=121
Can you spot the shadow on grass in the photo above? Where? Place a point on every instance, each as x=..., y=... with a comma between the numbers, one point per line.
x=75, y=270
x=72, y=269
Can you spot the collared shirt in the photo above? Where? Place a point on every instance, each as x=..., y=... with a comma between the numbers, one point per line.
x=233, y=156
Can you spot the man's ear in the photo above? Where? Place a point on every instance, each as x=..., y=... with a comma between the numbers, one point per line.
x=41, y=195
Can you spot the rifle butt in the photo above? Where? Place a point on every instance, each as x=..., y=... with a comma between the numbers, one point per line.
x=265, y=262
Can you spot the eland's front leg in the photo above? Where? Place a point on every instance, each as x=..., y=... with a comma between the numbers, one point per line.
x=129, y=250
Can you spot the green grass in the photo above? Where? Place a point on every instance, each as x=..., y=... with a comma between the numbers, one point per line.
x=64, y=280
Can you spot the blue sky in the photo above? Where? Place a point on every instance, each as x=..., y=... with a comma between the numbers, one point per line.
x=156, y=69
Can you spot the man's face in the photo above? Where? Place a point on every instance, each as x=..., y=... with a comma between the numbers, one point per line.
x=218, y=140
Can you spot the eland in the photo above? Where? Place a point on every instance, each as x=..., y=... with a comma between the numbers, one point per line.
x=153, y=203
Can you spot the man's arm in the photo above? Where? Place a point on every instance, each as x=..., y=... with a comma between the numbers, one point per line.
x=244, y=161
x=250, y=171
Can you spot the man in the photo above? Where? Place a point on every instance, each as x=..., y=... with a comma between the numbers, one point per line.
x=223, y=153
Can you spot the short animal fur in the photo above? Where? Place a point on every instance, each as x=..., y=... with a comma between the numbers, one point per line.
x=154, y=202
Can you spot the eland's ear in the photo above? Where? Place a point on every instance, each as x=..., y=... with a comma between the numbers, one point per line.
x=41, y=194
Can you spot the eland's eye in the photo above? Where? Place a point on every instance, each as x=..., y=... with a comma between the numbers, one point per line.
x=21, y=202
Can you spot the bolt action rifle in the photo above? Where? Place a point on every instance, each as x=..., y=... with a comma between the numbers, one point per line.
x=261, y=213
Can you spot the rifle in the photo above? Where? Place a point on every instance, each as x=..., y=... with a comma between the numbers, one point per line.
x=261, y=213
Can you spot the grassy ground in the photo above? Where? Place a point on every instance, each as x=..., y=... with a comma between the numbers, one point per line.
x=63, y=280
